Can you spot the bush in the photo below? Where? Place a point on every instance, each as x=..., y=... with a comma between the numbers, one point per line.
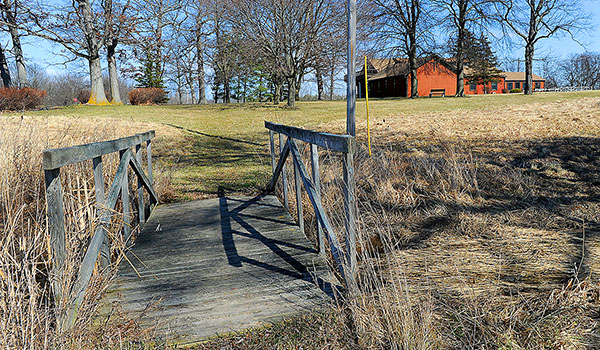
x=505, y=91
x=147, y=96
x=12, y=99
x=83, y=96
x=516, y=91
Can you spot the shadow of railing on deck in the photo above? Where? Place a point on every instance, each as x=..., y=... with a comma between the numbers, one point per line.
x=236, y=258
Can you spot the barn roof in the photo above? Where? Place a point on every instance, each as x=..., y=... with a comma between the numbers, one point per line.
x=520, y=76
x=379, y=68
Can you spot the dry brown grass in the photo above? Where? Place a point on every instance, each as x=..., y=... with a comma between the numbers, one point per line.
x=27, y=306
x=478, y=229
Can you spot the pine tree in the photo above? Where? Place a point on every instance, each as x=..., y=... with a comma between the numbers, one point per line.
x=151, y=75
x=481, y=61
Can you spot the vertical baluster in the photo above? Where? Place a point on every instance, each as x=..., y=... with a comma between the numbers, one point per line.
x=314, y=155
x=140, y=187
x=100, y=208
x=272, y=143
x=284, y=175
x=350, y=217
x=149, y=161
x=125, y=202
x=298, y=185
x=56, y=228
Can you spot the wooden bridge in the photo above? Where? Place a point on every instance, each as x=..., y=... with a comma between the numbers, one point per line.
x=211, y=266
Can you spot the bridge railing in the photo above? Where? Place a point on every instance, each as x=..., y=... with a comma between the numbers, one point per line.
x=99, y=245
x=345, y=144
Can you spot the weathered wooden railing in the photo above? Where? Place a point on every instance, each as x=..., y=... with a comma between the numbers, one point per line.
x=345, y=260
x=53, y=160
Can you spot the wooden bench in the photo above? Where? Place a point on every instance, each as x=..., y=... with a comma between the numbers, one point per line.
x=437, y=92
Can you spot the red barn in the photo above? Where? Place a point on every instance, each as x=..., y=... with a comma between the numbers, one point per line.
x=390, y=77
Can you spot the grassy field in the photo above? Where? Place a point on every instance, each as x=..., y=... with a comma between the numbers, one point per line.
x=479, y=217
x=226, y=144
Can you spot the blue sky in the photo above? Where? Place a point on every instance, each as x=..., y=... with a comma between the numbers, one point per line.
x=49, y=57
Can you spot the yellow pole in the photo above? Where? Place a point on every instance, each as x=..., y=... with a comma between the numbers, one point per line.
x=367, y=99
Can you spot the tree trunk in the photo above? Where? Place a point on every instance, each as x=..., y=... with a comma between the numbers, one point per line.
x=4, y=72
x=97, y=96
x=460, y=60
x=319, y=75
x=113, y=76
x=414, y=87
x=246, y=88
x=16, y=40
x=277, y=93
x=298, y=85
x=529, y=50
x=227, y=87
x=291, y=100
x=412, y=66
x=331, y=83
x=200, y=62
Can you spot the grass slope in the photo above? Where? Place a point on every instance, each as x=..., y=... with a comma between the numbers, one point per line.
x=227, y=144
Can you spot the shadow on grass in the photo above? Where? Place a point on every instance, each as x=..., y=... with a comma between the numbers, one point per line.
x=551, y=185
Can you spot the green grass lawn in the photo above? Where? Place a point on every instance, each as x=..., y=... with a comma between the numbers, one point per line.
x=226, y=145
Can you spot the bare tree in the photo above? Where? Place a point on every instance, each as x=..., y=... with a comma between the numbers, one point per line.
x=582, y=70
x=286, y=32
x=116, y=27
x=4, y=71
x=10, y=14
x=462, y=16
x=77, y=28
x=155, y=19
x=198, y=10
x=536, y=20
x=403, y=29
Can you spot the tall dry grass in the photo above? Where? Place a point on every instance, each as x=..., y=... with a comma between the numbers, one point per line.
x=471, y=245
x=28, y=308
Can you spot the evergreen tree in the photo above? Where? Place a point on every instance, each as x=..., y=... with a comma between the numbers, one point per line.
x=480, y=61
x=151, y=75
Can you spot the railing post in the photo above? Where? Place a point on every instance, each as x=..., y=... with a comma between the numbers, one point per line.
x=140, y=187
x=298, y=185
x=314, y=155
x=100, y=208
x=125, y=203
x=350, y=217
x=284, y=175
x=56, y=228
x=149, y=161
x=272, y=143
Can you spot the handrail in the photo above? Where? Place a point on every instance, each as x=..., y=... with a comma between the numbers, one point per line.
x=59, y=157
x=345, y=260
x=54, y=159
x=332, y=142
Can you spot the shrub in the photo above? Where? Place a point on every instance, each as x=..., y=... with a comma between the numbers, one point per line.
x=505, y=91
x=147, y=96
x=516, y=91
x=83, y=96
x=12, y=99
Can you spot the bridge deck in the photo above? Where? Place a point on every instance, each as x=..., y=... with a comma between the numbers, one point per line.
x=221, y=265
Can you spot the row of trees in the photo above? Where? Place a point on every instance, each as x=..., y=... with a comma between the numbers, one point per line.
x=262, y=49
x=407, y=26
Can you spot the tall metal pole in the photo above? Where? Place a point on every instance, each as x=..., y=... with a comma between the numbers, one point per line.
x=351, y=75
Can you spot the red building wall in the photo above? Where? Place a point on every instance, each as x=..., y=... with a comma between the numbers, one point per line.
x=434, y=75
x=480, y=89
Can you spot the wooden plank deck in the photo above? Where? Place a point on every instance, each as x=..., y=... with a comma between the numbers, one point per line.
x=221, y=265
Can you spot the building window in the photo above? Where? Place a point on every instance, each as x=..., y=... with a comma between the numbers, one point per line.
x=495, y=86
x=537, y=85
x=517, y=85
x=509, y=86
x=473, y=87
